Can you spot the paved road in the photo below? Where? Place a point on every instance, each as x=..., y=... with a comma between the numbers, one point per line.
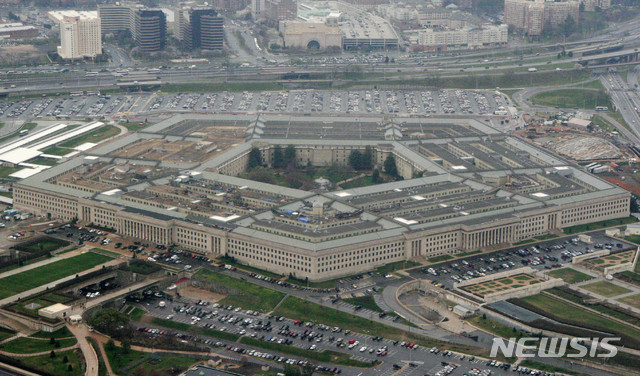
x=90, y=357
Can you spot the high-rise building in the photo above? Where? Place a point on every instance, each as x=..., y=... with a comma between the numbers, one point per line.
x=150, y=29
x=117, y=17
x=80, y=37
x=257, y=9
x=205, y=29
x=281, y=10
x=532, y=16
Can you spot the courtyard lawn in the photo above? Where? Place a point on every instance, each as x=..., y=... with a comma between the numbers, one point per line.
x=632, y=300
x=606, y=289
x=572, y=98
x=598, y=225
x=570, y=275
x=26, y=345
x=165, y=365
x=56, y=366
x=120, y=359
x=94, y=136
x=245, y=295
x=42, y=275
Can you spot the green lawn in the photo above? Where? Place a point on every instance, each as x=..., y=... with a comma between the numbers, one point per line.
x=5, y=171
x=495, y=327
x=326, y=356
x=548, y=368
x=606, y=289
x=365, y=302
x=632, y=300
x=56, y=366
x=440, y=258
x=133, y=126
x=94, y=136
x=57, y=150
x=394, y=266
x=165, y=365
x=118, y=359
x=570, y=314
x=42, y=275
x=42, y=245
x=246, y=295
x=44, y=161
x=599, y=225
x=572, y=98
x=570, y=275
x=26, y=345
x=6, y=333
x=136, y=314
x=60, y=333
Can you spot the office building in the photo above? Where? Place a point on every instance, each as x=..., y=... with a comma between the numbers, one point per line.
x=80, y=37
x=150, y=29
x=533, y=16
x=117, y=17
x=177, y=183
x=280, y=10
x=204, y=29
x=17, y=30
x=471, y=37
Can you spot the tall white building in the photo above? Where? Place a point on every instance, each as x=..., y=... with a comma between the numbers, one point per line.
x=80, y=37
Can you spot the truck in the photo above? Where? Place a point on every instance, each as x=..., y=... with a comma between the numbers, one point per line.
x=532, y=70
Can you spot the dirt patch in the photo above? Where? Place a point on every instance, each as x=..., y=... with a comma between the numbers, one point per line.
x=200, y=294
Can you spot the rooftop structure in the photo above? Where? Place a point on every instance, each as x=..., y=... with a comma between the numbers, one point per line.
x=466, y=186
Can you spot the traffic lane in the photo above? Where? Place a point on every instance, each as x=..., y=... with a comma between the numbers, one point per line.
x=480, y=263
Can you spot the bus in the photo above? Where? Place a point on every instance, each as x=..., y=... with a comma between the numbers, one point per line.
x=93, y=93
x=23, y=132
x=602, y=108
x=77, y=94
x=91, y=74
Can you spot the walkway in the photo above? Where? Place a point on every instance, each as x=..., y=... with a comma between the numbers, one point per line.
x=90, y=357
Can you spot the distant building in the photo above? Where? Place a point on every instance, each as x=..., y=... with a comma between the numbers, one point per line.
x=280, y=10
x=311, y=35
x=80, y=37
x=150, y=31
x=230, y=5
x=257, y=9
x=117, y=17
x=591, y=5
x=17, y=30
x=199, y=28
x=533, y=16
x=467, y=37
x=205, y=29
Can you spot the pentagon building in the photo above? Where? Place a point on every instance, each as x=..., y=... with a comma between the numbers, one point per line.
x=466, y=187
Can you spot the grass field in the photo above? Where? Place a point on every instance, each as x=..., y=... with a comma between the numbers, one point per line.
x=56, y=366
x=6, y=333
x=440, y=258
x=598, y=225
x=365, y=302
x=60, y=333
x=548, y=368
x=569, y=314
x=118, y=359
x=94, y=136
x=42, y=245
x=394, y=266
x=42, y=275
x=572, y=98
x=605, y=288
x=133, y=126
x=247, y=295
x=495, y=327
x=26, y=345
x=165, y=365
x=570, y=275
x=632, y=300
x=5, y=171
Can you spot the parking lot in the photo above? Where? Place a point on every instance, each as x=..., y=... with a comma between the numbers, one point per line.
x=374, y=101
x=408, y=359
x=545, y=255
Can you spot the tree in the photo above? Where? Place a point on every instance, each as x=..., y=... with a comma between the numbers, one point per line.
x=355, y=160
x=568, y=27
x=111, y=322
x=69, y=368
x=375, y=176
x=126, y=346
x=277, y=158
x=367, y=158
x=633, y=204
x=52, y=354
x=65, y=359
x=390, y=166
x=52, y=341
x=255, y=158
x=290, y=156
